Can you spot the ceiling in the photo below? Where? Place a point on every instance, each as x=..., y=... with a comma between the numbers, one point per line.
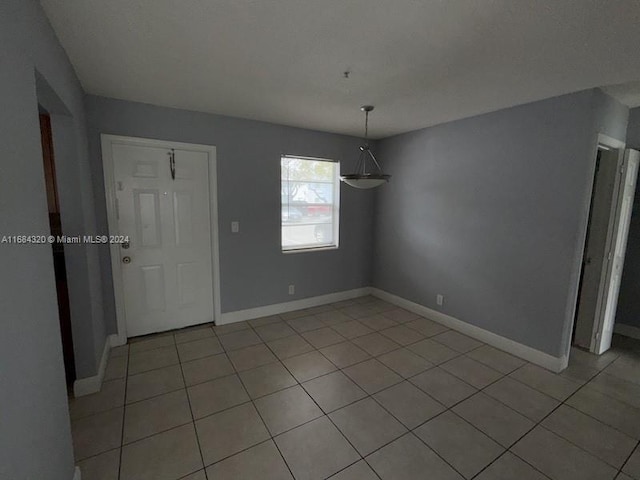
x=420, y=62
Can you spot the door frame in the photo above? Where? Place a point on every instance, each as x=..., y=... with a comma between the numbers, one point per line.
x=107, y=141
x=59, y=267
x=609, y=143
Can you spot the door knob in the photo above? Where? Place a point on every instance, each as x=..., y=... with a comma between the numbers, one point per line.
x=126, y=259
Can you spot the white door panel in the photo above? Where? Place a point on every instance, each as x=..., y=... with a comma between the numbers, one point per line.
x=168, y=283
x=147, y=217
x=595, y=256
x=152, y=283
x=621, y=233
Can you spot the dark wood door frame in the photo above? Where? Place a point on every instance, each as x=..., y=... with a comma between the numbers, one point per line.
x=55, y=225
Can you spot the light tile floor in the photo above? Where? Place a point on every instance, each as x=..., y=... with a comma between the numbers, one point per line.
x=356, y=390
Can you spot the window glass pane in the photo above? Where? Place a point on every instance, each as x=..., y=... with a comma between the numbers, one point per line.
x=305, y=169
x=307, y=235
x=309, y=195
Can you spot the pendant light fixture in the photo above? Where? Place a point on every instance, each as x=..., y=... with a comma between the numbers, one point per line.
x=364, y=177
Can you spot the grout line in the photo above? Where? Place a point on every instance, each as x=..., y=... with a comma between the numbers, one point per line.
x=361, y=459
x=637, y=447
x=98, y=454
x=124, y=409
x=75, y=418
x=193, y=421
x=512, y=453
x=588, y=414
x=155, y=369
x=157, y=433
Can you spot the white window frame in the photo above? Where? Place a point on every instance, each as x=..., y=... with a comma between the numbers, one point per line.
x=335, y=214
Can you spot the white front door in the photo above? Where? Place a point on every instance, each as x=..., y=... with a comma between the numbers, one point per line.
x=166, y=267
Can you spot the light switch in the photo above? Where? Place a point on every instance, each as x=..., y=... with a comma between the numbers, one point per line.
x=235, y=227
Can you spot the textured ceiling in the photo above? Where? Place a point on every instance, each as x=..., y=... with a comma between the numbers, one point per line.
x=420, y=62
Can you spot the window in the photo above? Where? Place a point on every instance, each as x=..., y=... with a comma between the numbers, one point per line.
x=310, y=192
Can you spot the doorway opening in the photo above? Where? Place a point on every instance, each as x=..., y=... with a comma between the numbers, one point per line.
x=605, y=245
x=55, y=226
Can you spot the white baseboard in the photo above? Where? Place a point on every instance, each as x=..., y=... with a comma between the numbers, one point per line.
x=116, y=340
x=627, y=330
x=555, y=364
x=89, y=385
x=76, y=474
x=276, y=308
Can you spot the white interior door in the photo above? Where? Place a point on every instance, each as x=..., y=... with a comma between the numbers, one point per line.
x=166, y=268
x=619, y=247
x=595, y=262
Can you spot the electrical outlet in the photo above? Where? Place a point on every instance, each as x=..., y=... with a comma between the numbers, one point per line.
x=235, y=227
x=439, y=299
x=292, y=289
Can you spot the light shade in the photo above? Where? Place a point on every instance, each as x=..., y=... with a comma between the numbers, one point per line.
x=364, y=181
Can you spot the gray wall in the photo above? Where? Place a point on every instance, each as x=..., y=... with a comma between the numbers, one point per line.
x=609, y=116
x=31, y=40
x=633, y=129
x=492, y=212
x=34, y=420
x=629, y=303
x=254, y=272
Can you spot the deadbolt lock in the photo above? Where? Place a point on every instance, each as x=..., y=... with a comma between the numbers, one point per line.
x=126, y=259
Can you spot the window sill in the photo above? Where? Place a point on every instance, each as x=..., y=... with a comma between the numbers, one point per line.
x=310, y=249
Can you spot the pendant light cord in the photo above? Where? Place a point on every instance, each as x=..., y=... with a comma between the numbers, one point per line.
x=366, y=128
